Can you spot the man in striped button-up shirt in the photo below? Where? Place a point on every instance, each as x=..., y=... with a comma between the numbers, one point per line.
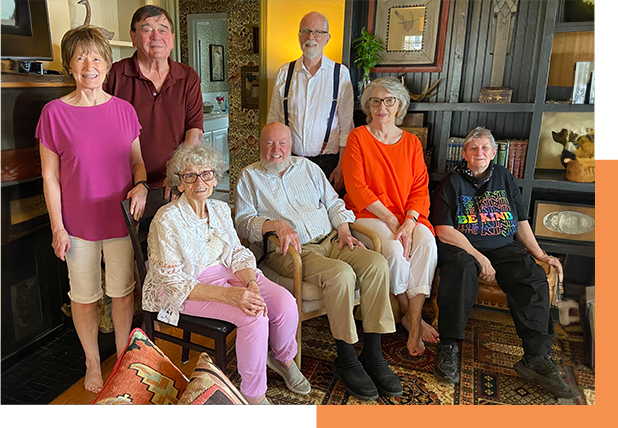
x=292, y=197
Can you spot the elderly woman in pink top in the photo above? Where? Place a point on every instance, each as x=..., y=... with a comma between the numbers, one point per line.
x=91, y=161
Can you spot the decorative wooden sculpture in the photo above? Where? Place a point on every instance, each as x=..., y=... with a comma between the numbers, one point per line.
x=109, y=35
x=501, y=34
x=427, y=92
x=577, y=154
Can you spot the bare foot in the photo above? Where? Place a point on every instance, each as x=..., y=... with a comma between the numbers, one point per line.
x=93, y=381
x=430, y=334
x=415, y=343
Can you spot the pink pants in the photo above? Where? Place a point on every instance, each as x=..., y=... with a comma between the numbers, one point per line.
x=254, y=334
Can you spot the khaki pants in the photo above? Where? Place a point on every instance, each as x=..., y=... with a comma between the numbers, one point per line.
x=338, y=273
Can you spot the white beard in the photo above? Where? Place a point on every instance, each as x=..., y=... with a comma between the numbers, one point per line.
x=311, y=52
x=276, y=168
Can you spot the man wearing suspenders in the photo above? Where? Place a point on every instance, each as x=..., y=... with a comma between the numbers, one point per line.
x=315, y=98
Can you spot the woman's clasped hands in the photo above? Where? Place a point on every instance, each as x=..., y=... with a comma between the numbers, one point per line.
x=249, y=300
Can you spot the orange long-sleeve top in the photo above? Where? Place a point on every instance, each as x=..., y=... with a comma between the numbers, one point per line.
x=394, y=174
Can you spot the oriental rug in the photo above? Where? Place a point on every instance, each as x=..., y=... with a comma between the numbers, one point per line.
x=490, y=350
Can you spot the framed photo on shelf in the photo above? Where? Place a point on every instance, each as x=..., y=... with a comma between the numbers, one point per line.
x=581, y=80
x=564, y=222
x=414, y=34
x=217, y=66
x=250, y=78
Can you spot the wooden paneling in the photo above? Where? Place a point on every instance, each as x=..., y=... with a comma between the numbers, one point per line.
x=569, y=48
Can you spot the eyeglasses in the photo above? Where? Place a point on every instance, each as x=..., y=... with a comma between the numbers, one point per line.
x=388, y=102
x=316, y=33
x=192, y=177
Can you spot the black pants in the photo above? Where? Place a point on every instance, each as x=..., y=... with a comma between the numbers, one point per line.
x=327, y=163
x=518, y=275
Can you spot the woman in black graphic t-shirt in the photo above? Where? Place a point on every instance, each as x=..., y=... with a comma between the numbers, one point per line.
x=477, y=211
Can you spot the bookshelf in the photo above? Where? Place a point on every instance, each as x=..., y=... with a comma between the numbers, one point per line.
x=455, y=110
x=466, y=68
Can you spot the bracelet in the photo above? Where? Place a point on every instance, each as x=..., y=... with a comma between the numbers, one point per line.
x=144, y=183
x=256, y=283
x=415, y=219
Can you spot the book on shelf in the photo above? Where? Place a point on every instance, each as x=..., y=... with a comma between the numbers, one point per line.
x=454, y=152
x=503, y=152
x=517, y=152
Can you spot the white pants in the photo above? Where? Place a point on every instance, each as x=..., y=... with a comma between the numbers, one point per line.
x=84, y=263
x=415, y=275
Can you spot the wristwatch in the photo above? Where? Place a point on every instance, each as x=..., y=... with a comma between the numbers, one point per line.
x=144, y=183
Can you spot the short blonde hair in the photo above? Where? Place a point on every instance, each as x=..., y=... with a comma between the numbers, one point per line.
x=186, y=155
x=395, y=87
x=85, y=37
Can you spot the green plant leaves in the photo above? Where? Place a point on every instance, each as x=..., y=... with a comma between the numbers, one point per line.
x=368, y=48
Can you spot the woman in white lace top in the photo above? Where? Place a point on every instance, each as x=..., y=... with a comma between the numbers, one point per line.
x=197, y=266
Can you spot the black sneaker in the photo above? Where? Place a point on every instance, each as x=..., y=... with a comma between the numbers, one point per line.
x=356, y=381
x=541, y=370
x=445, y=368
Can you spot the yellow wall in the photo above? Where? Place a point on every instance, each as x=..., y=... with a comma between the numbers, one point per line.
x=282, y=20
x=59, y=23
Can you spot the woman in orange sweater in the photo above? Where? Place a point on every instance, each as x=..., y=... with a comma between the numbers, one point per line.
x=387, y=188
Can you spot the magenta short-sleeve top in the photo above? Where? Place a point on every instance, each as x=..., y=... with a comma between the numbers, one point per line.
x=94, y=147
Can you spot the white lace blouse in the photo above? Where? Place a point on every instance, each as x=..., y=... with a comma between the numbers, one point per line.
x=181, y=246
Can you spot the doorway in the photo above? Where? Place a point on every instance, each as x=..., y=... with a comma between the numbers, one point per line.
x=208, y=54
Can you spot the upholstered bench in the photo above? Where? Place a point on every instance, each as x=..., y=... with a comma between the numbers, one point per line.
x=490, y=294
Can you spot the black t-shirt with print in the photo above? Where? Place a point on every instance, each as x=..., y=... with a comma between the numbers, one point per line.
x=487, y=216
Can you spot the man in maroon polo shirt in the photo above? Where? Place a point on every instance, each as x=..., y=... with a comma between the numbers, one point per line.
x=166, y=94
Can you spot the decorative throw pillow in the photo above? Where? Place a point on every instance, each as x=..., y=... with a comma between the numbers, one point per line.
x=142, y=375
x=210, y=386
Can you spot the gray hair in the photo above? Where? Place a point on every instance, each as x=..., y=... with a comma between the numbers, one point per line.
x=186, y=155
x=480, y=132
x=395, y=87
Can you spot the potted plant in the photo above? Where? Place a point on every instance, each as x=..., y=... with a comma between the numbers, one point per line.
x=368, y=48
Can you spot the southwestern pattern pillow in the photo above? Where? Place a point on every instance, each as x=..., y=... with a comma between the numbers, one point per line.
x=210, y=386
x=142, y=375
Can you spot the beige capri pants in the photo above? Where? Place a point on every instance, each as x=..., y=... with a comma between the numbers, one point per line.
x=84, y=264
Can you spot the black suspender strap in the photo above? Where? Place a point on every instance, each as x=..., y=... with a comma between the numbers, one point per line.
x=333, y=108
x=334, y=105
x=288, y=82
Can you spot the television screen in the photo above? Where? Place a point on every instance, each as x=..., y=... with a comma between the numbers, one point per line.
x=25, y=30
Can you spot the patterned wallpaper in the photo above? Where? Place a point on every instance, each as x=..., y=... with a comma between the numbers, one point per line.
x=242, y=15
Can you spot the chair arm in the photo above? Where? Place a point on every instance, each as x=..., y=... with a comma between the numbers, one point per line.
x=377, y=243
x=298, y=270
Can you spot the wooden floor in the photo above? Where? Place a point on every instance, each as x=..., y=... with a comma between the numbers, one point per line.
x=76, y=394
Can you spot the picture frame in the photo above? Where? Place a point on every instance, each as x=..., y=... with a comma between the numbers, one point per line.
x=564, y=222
x=580, y=81
x=217, y=63
x=250, y=78
x=414, y=35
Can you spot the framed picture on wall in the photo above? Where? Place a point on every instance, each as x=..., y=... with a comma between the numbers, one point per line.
x=250, y=77
x=558, y=221
x=414, y=34
x=217, y=68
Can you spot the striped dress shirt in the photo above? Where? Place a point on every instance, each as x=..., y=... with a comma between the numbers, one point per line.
x=302, y=197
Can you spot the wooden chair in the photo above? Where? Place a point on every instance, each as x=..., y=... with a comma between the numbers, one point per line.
x=214, y=329
x=490, y=294
x=308, y=297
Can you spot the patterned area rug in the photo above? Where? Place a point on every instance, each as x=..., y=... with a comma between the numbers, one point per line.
x=487, y=356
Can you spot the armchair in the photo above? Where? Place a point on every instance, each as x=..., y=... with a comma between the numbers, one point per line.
x=308, y=296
